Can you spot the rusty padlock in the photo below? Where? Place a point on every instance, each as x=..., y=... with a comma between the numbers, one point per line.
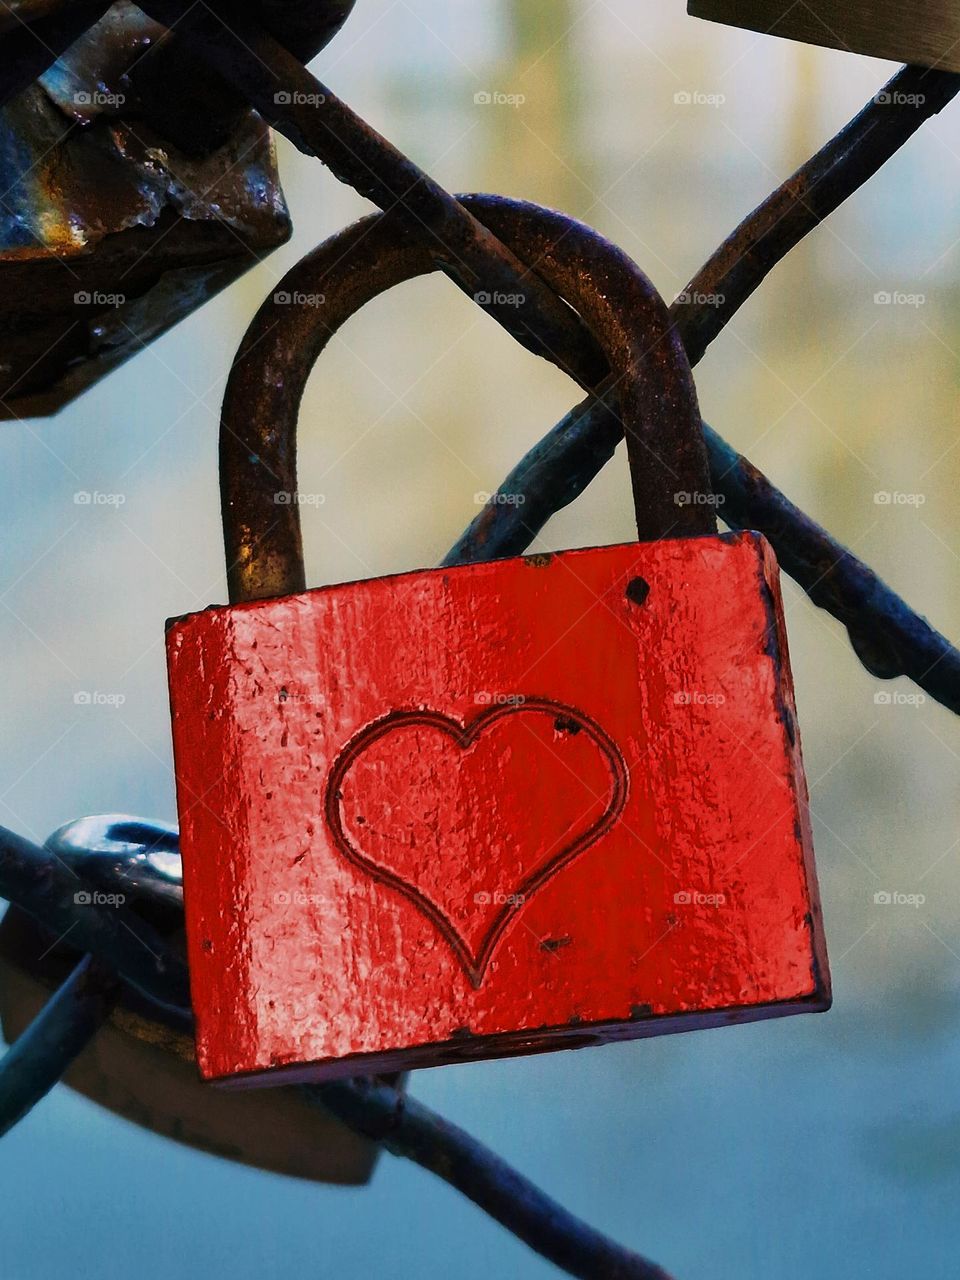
x=464, y=813
x=135, y=188
x=141, y=1064
x=924, y=32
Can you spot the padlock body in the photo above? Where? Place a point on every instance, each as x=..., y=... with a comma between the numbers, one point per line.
x=924, y=32
x=465, y=813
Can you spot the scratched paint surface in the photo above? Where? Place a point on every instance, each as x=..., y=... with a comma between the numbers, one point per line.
x=459, y=813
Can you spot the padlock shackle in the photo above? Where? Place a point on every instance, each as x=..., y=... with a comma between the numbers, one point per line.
x=258, y=432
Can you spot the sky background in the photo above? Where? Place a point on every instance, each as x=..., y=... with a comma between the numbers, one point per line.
x=824, y=1146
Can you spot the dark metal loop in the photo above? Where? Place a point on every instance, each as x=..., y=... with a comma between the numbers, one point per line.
x=618, y=304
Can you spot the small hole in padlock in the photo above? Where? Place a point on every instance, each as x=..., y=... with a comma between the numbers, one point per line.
x=565, y=724
x=637, y=590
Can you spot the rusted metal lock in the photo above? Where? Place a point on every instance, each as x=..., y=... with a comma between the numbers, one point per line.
x=135, y=187
x=525, y=805
x=925, y=32
x=142, y=1064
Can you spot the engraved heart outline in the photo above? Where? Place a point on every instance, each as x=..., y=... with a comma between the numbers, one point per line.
x=464, y=734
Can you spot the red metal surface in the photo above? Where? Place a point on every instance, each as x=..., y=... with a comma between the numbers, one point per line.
x=523, y=805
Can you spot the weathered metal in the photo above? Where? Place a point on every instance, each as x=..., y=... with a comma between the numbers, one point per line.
x=888, y=636
x=108, y=234
x=926, y=32
x=449, y=815
x=141, y=1066
x=54, y=1036
x=311, y=116
x=107, y=238
x=374, y=1108
x=126, y=1052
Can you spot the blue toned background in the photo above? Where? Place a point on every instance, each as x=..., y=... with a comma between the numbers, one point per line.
x=821, y=1146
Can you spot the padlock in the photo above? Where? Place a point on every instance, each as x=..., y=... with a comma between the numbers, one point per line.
x=924, y=32
x=464, y=813
x=141, y=1064
x=109, y=234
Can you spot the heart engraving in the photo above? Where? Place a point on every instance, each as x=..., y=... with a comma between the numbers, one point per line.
x=468, y=820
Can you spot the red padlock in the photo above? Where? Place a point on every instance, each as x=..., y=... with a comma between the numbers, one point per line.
x=464, y=813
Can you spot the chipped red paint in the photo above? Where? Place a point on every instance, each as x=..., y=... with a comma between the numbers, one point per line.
x=489, y=810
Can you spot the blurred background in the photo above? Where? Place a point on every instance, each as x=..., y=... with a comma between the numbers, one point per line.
x=823, y=1146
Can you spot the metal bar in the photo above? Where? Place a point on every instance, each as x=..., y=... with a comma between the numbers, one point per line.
x=58, y=1034
x=258, y=430
x=887, y=635
x=409, y=1129
x=319, y=124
